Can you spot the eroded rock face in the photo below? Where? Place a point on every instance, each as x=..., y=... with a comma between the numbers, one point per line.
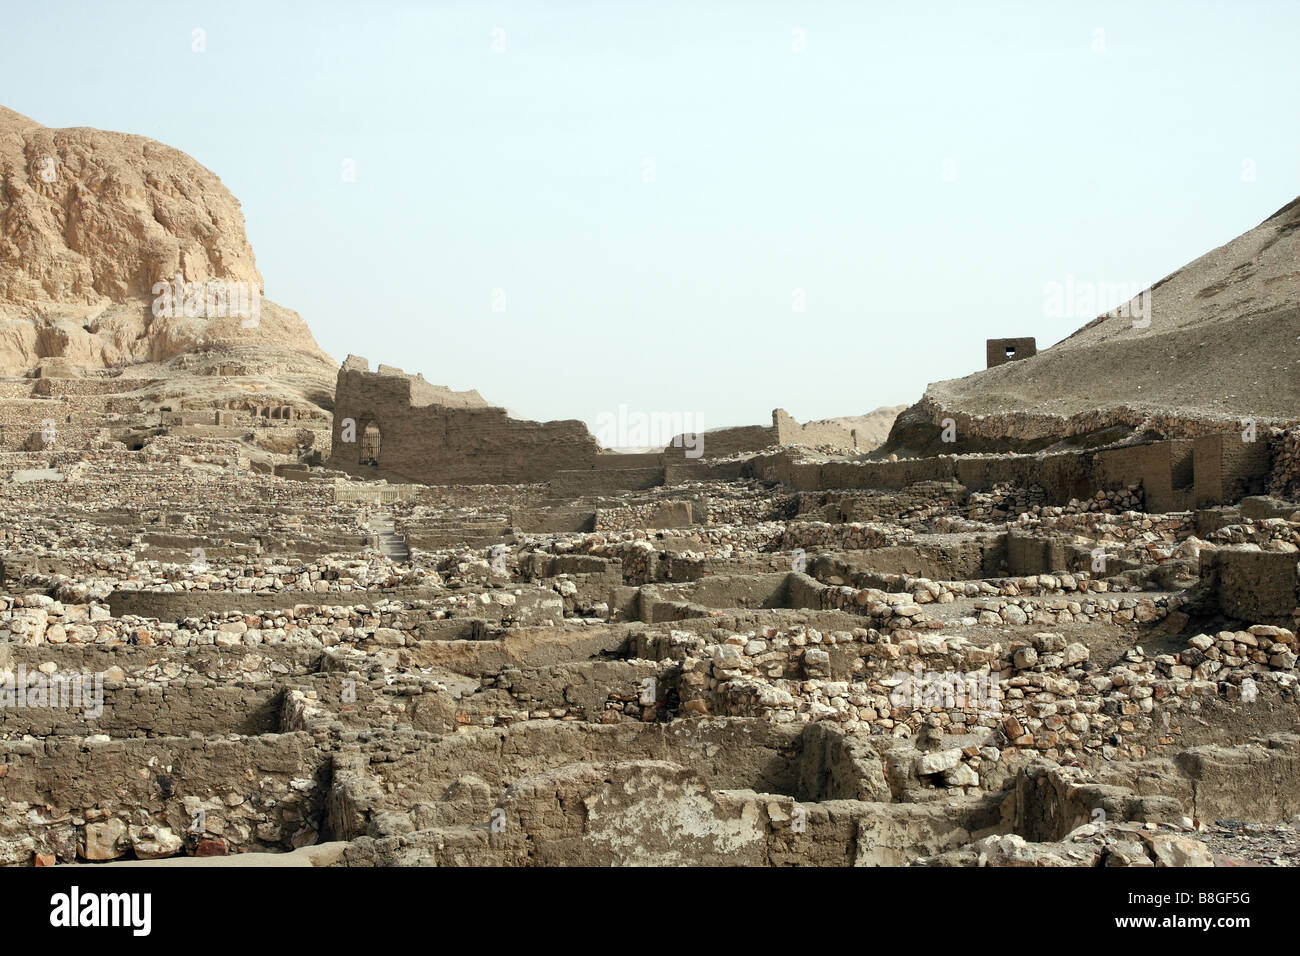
x=90, y=222
x=91, y=215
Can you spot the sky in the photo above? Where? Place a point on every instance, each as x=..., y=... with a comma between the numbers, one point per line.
x=702, y=209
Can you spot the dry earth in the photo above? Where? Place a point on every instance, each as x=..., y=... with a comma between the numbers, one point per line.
x=1223, y=340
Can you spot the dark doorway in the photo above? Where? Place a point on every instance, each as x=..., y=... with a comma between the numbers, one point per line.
x=371, y=440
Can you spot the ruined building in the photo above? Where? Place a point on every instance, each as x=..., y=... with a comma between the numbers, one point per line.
x=400, y=425
x=1001, y=351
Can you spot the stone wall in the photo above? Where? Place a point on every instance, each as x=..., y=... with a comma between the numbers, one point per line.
x=1252, y=585
x=1041, y=692
x=1001, y=351
x=814, y=434
x=652, y=514
x=1229, y=468
x=426, y=438
x=1018, y=428
x=1284, y=481
x=722, y=442
x=1166, y=471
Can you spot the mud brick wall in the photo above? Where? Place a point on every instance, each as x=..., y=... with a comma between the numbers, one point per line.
x=1247, y=782
x=1228, y=468
x=576, y=484
x=701, y=470
x=1256, y=586
x=765, y=758
x=1062, y=477
x=1164, y=468
x=946, y=560
x=742, y=590
x=345, y=492
x=995, y=350
x=165, y=710
x=784, y=430
x=723, y=442
x=554, y=520
x=538, y=564
x=1172, y=473
x=617, y=462
x=1030, y=554
x=444, y=444
x=878, y=474
x=257, y=792
x=812, y=435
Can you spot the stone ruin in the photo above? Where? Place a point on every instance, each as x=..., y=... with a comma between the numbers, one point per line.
x=411, y=430
x=768, y=657
x=390, y=424
x=251, y=609
x=1001, y=351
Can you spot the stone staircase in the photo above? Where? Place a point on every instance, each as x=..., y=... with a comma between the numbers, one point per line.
x=385, y=538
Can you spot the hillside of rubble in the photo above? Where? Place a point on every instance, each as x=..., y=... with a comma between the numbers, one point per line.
x=1222, y=343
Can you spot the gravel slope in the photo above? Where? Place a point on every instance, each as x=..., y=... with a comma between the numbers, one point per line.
x=1223, y=341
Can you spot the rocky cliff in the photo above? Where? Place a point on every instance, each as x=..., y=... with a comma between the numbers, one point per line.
x=116, y=249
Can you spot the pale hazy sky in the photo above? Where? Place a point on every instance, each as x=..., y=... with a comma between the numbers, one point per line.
x=648, y=184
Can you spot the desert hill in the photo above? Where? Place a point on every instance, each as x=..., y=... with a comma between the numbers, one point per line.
x=1220, y=341
x=90, y=222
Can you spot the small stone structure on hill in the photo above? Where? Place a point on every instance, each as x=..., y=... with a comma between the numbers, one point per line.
x=1001, y=351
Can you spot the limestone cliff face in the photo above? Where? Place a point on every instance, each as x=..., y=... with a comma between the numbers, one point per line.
x=90, y=222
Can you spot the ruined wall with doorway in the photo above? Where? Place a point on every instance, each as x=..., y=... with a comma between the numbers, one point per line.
x=431, y=434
